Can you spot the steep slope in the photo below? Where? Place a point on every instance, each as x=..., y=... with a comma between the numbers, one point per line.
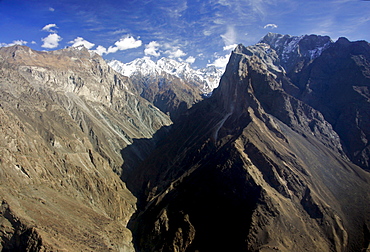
x=251, y=169
x=338, y=84
x=295, y=52
x=65, y=116
x=333, y=78
x=170, y=85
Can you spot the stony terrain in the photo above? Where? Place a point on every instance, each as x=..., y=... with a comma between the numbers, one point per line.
x=276, y=159
x=252, y=168
x=65, y=116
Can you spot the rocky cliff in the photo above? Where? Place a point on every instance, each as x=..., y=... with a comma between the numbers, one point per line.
x=65, y=116
x=275, y=160
x=253, y=168
x=334, y=79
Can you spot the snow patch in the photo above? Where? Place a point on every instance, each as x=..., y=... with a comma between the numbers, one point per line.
x=209, y=77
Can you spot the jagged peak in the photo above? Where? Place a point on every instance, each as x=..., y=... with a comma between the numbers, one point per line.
x=239, y=48
x=11, y=50
x=208, y=77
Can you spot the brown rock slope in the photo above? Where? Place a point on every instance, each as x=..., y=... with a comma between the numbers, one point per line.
x=65, y=116
x=250, y=169
x=170, y=94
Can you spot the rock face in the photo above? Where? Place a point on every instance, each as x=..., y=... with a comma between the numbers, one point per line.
x=171, y=86
x=65, y=116
x=275, y=160
x=255, y=167
x=333, y=78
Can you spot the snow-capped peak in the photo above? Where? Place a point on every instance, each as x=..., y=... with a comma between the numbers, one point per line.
x=208, y=78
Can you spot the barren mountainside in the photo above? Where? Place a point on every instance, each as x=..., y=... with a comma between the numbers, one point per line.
x=256, y=167
x=65, y=116
x=170, y=85
x=276, y=159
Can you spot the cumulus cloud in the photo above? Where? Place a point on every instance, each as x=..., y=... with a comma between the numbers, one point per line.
x=125, y=43
x=230, y=47
x=100, y=50
x=152, y=49
x=51, y=41
x=15, y=42
x=175, y=53
x=48, y=28
x=190, y=60
x=51, y=9
x=81, y=41
x=272, y=26
x=220, y=61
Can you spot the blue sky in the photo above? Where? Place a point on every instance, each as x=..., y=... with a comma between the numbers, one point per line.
x=200, y=32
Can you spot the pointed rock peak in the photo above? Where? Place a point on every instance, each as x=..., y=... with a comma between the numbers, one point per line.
x=239, y=49
x=273, y=39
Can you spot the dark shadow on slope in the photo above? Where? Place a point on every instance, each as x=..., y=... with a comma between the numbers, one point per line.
x=134, y=154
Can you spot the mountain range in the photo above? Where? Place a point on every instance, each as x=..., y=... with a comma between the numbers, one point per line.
x=170, y=85
x=155, y=156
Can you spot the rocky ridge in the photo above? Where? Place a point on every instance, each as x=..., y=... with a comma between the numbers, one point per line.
x=253, y=168
x=269, y=162
x=65, y=116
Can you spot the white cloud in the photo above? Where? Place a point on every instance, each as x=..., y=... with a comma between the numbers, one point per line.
x=272, y=26
x=48, y=27
x=230, y=47
x=81, y=41
x=220, y=61
x=229, y=37
x=51, y=41
x=190, y=60
x=207, y=32
x=128, y=42
x=51, y=9
x=112, y=49
x=15, y=42
x=175, y=53
x=101, y=50
x=119, y=32
x=152, y=49
x=125, y=43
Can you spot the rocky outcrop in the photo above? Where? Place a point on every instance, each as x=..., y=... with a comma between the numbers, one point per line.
x=252, y=168
x=65, y=116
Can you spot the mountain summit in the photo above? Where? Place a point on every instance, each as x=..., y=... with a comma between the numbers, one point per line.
x=170, y=85
x=259, y=166
x=276, y=159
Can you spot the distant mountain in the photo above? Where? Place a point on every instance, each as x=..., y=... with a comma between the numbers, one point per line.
x=206, y=79
x=170, y=85
x=275, y=158
x=65, y=116
x=264, y=164
x=296, y=51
